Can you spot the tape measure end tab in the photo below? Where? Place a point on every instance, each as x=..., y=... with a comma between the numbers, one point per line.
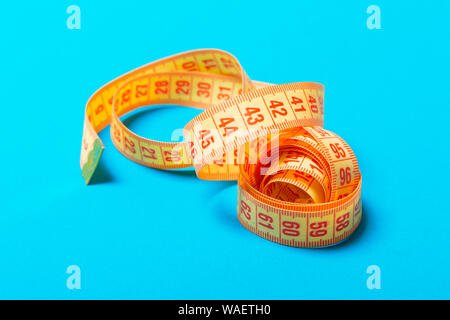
x=94, y=155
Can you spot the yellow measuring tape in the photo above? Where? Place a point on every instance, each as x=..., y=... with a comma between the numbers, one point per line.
x=298, y=184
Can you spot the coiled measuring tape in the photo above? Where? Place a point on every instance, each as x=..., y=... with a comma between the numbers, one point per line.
x=298, y=184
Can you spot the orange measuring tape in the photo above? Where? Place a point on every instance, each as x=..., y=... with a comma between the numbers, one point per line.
x=298, y=184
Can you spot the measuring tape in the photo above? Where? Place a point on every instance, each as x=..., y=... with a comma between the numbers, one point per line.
x=298, y=184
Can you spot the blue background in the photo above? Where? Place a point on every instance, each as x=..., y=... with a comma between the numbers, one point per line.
x=386, y=95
